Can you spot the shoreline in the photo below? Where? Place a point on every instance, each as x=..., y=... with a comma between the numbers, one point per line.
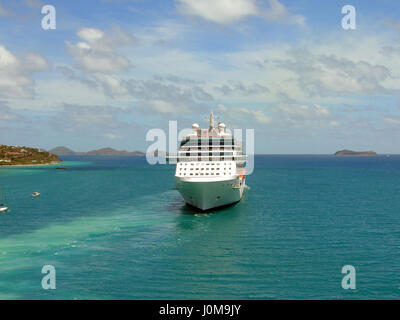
x=30, y=165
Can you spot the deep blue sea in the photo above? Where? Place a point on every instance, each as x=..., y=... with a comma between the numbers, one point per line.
x=114, y=227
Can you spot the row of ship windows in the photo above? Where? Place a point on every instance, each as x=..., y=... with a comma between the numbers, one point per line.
x=207, y=164
x=207, y=169
x=182, y=158
x=223, y=158
x=188, y=154
x=211, y=142
x=211, y=148
x=202, y=174
x=217, y=151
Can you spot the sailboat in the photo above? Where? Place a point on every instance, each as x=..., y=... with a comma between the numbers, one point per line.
x=3, y=207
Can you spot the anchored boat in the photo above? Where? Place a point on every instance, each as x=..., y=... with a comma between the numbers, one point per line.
x=3, y=207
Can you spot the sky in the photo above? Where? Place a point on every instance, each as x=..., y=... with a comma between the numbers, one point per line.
x=111, y=70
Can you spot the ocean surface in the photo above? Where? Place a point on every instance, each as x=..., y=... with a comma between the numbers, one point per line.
x=114, y=228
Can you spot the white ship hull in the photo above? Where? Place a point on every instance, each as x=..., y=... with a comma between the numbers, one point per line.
x=206, y=194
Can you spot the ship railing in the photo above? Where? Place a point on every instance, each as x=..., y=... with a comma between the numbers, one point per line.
x=183, y=158
x=216, y=148
x=207, y=143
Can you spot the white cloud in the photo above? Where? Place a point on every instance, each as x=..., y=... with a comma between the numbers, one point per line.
x=165, y=107
x=16, y=73
x=334, y=123
x=165, y=97
x=241, y=89
x=284, y=115
x=391, y=50
x=122, y=37
x=234, y=114
x=112, y=85
x=83, y=116
x=295, y=112
x=71, y=74
x=163, y=94
x=97, y=51
x=229, y=11
x=111, y=136
x=320, y=74
x=219, y=11
x=93, y=122
x=91, y=35
x=392, y=120
x=290, y=114
x=279, y=13
x=34, y=62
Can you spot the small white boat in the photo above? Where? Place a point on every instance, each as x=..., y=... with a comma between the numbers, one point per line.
x=35, y=194
x=3, y=208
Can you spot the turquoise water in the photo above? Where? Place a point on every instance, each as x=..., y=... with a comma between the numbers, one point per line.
x=113, y=227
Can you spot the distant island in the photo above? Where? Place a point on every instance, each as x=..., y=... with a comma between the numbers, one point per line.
x=62, y=151
x=15, y=155
x=355, y=153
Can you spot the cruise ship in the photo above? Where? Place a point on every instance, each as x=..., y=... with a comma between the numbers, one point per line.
x=210, y=168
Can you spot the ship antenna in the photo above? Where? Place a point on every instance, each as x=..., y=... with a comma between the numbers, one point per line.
x=211, y=120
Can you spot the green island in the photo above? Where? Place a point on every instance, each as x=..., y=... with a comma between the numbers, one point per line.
x=63, y=151
x=15, y=155
x=355, y=153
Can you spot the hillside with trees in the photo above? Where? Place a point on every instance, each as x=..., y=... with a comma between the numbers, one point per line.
x=15, y=155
